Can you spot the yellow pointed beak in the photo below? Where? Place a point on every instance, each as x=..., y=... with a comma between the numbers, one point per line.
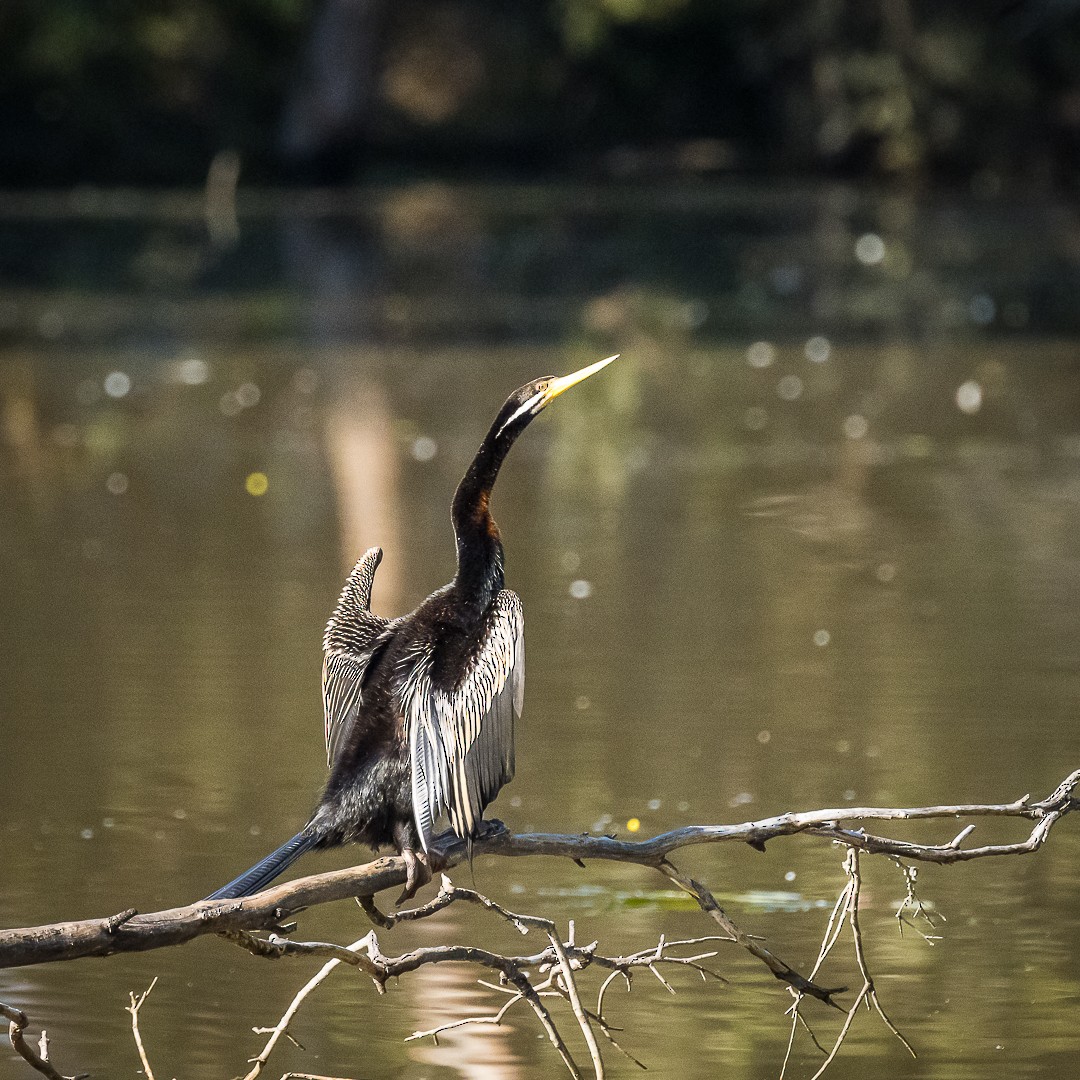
x=557, y=386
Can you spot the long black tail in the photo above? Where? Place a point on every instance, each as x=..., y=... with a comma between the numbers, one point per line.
x=265, y=870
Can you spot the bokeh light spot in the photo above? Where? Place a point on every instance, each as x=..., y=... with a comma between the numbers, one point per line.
x=761, y=354
x=256, y=484
x=248, y=395
x=969, y=397
x=790, y=388
x=870, y=249
x=856, y=426
x=818, y=350
x=424, y=448
x=193, y=371
x=117, y=384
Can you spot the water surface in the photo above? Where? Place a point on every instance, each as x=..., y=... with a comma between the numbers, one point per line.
x=813, y=541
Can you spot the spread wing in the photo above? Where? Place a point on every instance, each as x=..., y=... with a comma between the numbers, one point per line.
x=461, y=742
x=352, y=637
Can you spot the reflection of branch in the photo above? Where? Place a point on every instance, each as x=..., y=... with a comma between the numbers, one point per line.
x=37, y=1059
x=846, y=909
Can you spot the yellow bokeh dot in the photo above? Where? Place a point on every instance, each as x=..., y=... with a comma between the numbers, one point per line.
x=256, y=483
x=633, y=825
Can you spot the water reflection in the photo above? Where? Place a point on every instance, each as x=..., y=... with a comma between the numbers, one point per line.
x=445, y=994
x=741, y=599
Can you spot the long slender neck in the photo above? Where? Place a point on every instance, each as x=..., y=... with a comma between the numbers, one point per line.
x=479, y=574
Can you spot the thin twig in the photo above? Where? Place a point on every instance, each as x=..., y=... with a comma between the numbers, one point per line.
x=133, y=1008
x=867, y=991
x=36, y=1059
x=282, y=1026
x=860, y=955
x=495, y=1019
x=542, y=1014
x=708, y=903
x=575, y=1003
x=309, y=1076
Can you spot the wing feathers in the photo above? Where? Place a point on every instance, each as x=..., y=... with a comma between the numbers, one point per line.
x=352, y=637
x=462, y=741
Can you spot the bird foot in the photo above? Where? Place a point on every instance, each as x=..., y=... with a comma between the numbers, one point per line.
x=417, y=873
x=490, y=828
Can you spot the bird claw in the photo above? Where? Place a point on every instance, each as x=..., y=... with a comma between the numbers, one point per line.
x=489, y=828
x=417, y=874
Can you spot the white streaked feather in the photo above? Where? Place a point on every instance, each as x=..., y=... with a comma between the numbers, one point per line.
x=461, y=742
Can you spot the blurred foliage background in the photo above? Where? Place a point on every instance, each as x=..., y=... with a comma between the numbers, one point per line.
x=118, y=91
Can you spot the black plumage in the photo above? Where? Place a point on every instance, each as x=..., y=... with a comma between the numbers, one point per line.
x=420, y=710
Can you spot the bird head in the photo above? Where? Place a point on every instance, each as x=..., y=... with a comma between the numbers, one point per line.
x=531, y=399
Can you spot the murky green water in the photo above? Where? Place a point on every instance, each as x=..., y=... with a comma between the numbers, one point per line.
x=839, y=566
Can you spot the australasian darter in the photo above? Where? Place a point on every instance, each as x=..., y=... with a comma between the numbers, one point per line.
x=420, y=710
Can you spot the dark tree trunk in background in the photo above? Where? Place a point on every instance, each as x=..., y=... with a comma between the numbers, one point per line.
x=329, y=110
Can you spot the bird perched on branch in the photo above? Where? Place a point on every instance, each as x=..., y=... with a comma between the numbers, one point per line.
x=420, y=710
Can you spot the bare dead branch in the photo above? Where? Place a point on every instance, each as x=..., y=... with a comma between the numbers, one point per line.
x=274, y=947
x=269, y=909
x=851, y=865
x=495, y=1019
x=570, y=957
x=782, y=971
